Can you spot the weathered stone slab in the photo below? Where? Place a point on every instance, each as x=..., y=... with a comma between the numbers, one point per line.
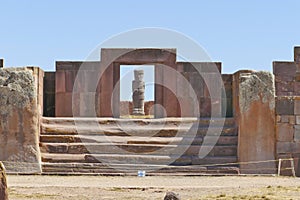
x=19, y=120
x=255, y=105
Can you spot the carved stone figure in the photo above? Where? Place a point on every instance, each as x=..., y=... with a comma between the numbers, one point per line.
x=138, y=90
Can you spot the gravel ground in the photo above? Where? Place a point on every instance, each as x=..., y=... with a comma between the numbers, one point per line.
x=152, y=187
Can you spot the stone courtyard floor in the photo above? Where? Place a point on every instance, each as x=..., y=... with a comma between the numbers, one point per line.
x=155, y=187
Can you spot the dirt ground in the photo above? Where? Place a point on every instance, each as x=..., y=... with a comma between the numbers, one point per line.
x=155, y=187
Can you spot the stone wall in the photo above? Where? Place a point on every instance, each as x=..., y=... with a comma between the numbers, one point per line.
x=287, y=114
x=20, y=111
x=179, y=86
x=85, y=92
x=200, y=75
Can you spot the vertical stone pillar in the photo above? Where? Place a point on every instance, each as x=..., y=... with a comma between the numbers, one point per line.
x=138, y=90
x=19, y=120
x=254, y=106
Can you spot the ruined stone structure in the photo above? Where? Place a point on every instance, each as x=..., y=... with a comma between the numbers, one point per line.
x=246, y=120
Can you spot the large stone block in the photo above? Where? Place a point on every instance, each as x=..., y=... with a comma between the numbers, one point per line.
x=297, y=133
x=284, y=106
x=297, y=88
x=70, y=79
x=288, y=147
x=297, y=106
x=60, y=81
x=284, y=87
x=19, y=120
x=282, y=70
x=256, y=120
x=285, y=132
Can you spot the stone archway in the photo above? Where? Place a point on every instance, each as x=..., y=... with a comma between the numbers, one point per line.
x=157, y=57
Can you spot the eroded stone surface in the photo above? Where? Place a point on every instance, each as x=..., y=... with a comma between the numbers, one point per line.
x=254, y=84
x=256, y=105
x=19, y=116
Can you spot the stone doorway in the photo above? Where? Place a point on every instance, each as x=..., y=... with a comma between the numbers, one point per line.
x=126, y=78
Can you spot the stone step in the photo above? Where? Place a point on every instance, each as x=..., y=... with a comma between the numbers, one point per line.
x=117, y=121
x=222, y=140
x=87, y=145
x=102, y=169
x=134, y=149
x=137, y=131
x=113, y=159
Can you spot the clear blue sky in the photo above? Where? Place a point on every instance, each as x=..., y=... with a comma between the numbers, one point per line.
x=241, y=34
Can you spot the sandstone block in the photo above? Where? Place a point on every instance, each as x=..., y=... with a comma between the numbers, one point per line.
x=19, y=118
x=284, y=86
x=284, y=69
x=297, y=133
x=60, y=85
x=297, y=88
x=285, y=132
x=284, y=118
x=288, y=147
x=297, y=119
x=284, y=106
x=297, y=107
x=256, y=110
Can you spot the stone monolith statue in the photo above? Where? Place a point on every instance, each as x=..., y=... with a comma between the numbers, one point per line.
x=138, y=90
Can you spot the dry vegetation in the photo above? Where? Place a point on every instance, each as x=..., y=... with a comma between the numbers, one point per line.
x=97, y=187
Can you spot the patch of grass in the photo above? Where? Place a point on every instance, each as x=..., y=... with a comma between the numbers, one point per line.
x=13, y=193
x=247, y=197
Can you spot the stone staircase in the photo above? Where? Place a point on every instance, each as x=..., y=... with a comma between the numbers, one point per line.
x=111, y=146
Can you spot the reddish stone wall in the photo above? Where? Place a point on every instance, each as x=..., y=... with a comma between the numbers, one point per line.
x=171, y=89
x=84, y=94
x=287, y=114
